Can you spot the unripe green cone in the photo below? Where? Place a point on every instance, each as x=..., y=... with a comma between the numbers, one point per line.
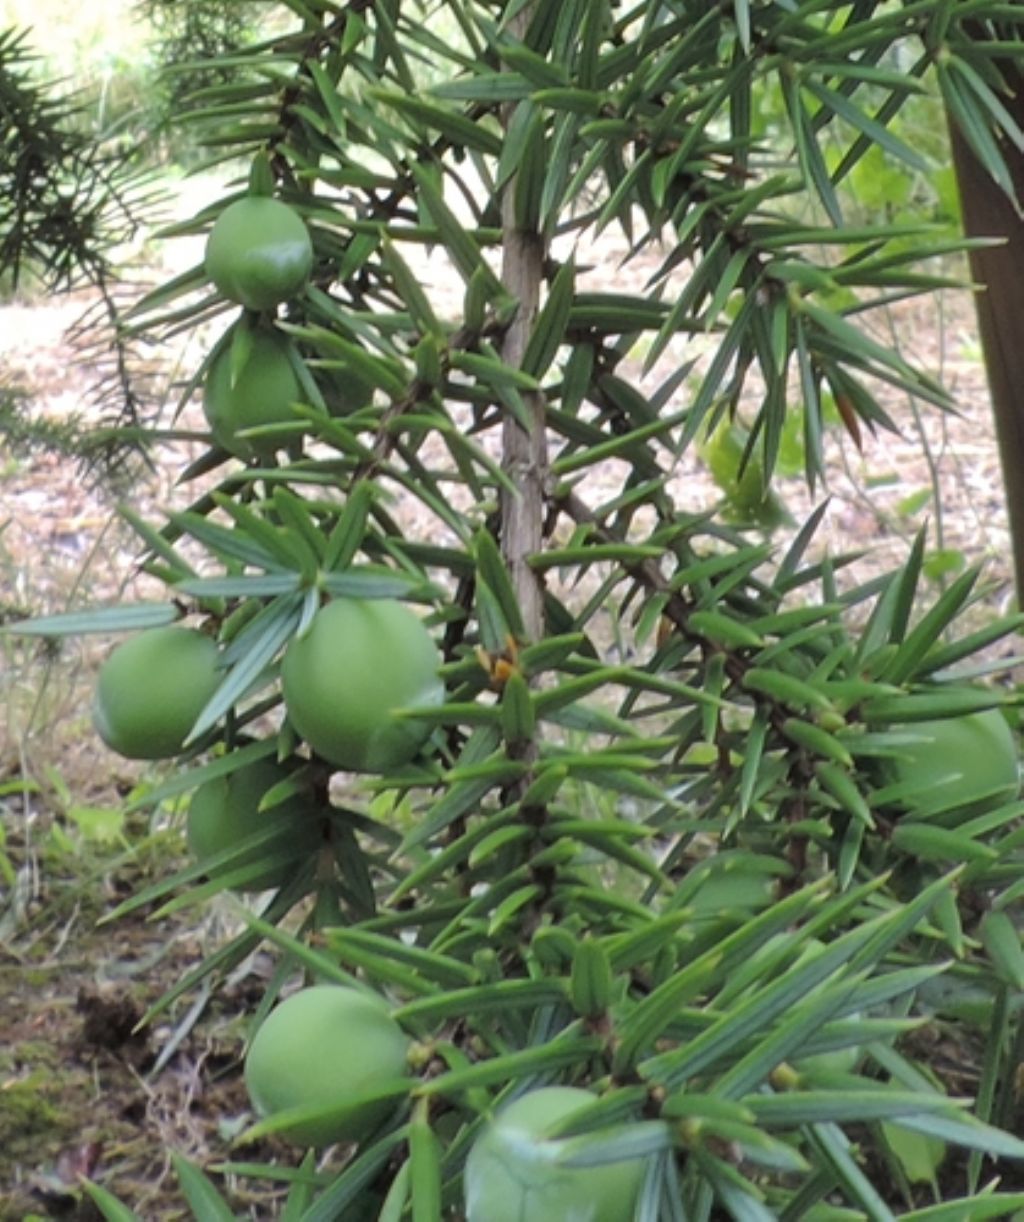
x=323, y=1046
x=152, y=688
x=259, y=252
x=359, y=662
x=957, y=760
x=225, y=811
x=261, y=392
x=839, y=1060
x=512, y=1176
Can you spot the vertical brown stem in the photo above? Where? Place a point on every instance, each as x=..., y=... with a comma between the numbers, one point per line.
x=988, y=213
x=524, y=450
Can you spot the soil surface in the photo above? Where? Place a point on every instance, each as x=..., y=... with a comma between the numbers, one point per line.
x=82, y=1089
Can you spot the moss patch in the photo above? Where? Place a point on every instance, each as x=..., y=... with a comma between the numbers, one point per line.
x=28, y=1116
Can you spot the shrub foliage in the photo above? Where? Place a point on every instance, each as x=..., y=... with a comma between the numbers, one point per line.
x=653, y=844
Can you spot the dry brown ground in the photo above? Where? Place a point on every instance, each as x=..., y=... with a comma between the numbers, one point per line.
x=77, y=1090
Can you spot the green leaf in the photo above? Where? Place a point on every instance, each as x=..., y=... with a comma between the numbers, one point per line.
x=491, y=568
x=158, y=544
x=20, y=785
x=425, y=1167
x=926, y=705
x=919, y=1156
x=509, y=907
x=493, y=372
x=876, y=132
x=813, y=738
x=383, y=372
x=108, y=1205
x=794, y=1108
x=411, y=291
x=191, y=778
x=832, y=1148
x=450, y=855
x=462, y=796
x=187, y=282
x=346, y=537
x=297, y=518
x=786, y=689
x=616, y=313
x=397, y=1197
x=460, y=244
x=616, y=447
x=264, y=586
x=550, y=653
x=915, y=502
x=750, y=774
x=591, y=980
x=290, y=550
x=430, y=965
x=531, y=170
x=518, y=717
x=724, y=630
x=964, y=109
x=608, y=837
x=349, y=1188
x=987, y=1204
x=585, y=554
x=475, y=301
x=233, y=544
x=128, y=617
x=624, y=1143
x=752, y=1015
x=681, y=1104
x=339, y=1112
x=933, y=625
x=576, y=101
x=783, y=623
x=494, y=996
x=260, y=650
x=964, y=1130
x=839, y=783
x=368, y=581
x=549, y=330
x=462, y=131
x=542, y=73
x=943, y=562
x=640, y=1029
x=627, y=949
x=857, y=344
x=99, y=825
x=741, y=16
x=495, y=841
x=566, y=1050
x=484, y=87
x=1001, y=940
x=317, y=964
x=809, y=155
x=744, y=1201
x=300, y=1195
x=205, y=1201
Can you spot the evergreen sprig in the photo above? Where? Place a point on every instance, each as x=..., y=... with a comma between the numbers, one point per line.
x=657, y=842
